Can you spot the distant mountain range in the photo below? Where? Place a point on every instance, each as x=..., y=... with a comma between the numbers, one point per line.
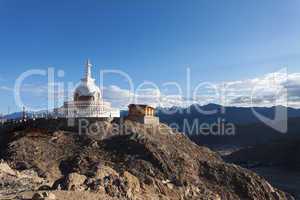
x=249, y=130
x=19, y=115
x=236, y=115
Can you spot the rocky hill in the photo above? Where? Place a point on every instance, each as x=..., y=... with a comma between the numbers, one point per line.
x=132, y=163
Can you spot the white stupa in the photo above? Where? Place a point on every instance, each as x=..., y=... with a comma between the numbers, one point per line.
x=87, y=100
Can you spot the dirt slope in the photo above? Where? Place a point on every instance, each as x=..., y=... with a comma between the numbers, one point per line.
x=138, y=164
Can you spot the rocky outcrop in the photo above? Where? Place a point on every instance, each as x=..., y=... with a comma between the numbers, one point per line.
x=75, y=182
x=132, y=183
x=136, y=163
x=13, y=181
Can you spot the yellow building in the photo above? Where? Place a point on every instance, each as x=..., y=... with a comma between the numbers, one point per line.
x=142, y=113
x=140, y=110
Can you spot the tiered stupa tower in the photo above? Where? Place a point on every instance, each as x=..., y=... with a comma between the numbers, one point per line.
x=87, y=99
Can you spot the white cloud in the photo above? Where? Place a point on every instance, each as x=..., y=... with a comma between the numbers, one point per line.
x=117, y=96
x=271, y=89
x=5, y=88
x=259, y=91
x=37, y=90
x=122, y=97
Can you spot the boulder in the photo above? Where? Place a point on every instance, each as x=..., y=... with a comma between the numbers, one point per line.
x=38, y=196
x=13, y=181
x=44, y=187
x=43, y=196
x=75, y=182
x=133, y=184
x=51, y=196
x=6, y=170
x=114, y=186
x=105, y=171
x=95, y=185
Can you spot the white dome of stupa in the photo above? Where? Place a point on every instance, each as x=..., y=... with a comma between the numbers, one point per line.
x=88, y=102
x=87, y=90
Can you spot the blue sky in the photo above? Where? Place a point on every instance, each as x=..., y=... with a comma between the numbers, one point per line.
x=220, y=40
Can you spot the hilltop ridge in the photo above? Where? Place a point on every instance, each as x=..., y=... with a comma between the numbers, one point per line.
x=137, y=164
